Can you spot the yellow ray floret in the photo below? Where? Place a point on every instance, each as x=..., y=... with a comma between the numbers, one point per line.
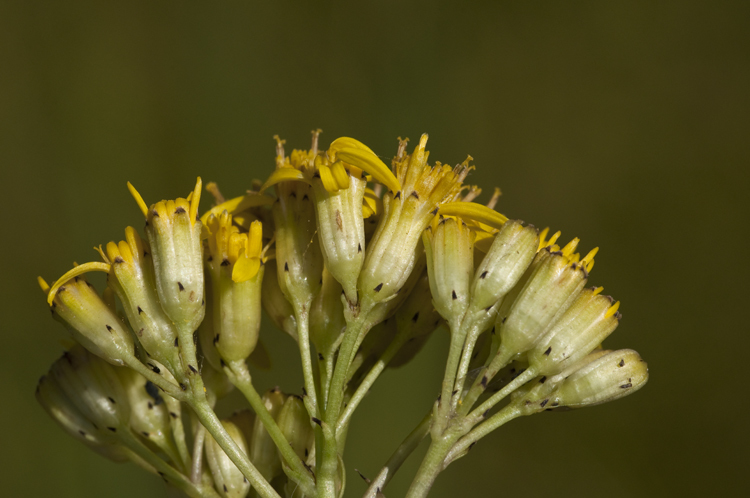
x=78, y=270
x=612, y=310
x=284, y=174
x=238, y=204
x=473, y=211
x=366, y=160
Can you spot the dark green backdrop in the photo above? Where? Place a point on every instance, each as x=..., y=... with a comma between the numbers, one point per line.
x=624, y=123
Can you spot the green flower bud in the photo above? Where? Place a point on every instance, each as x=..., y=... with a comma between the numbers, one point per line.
x=228, y=479
x=588, y=321
x=63, y=411
x=132, y=278
x=263, y=451
x=275, y=303
x=327, y=316
x=606, y=378
x=94, y=387
x=449, y=246
x=93, y=324
x=173, y=230
x=550, y=289
x=294, y=422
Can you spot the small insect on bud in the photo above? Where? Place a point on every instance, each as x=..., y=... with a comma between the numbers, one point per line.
x=555, y=279
x=173, y=230
x=263, y=452
x=589, y=320
x=606, y=378
x=294, y=422
x=59, y=406
x=94, y=388
x=228, y=479
x=90, y=321
x=449, y=246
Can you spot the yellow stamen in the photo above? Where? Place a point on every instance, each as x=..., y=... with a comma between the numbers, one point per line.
x=102, y=254
x=138, y=199
x=570, y=247
x=495, y=197
x=213, y=189
x=195, y=200
x=369, y=162
x=591, y=254
x=474, y=211
x=78, y=270
x=43, y=284
x=612, y=310
x=598, y=290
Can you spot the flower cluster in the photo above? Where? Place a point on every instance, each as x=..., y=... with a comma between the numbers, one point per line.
x=359, y=263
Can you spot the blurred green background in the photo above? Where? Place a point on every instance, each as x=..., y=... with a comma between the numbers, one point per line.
x=623, y=123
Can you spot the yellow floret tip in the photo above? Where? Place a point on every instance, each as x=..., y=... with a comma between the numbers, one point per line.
x=138, y=199
x=474, y=211
x=78, y=270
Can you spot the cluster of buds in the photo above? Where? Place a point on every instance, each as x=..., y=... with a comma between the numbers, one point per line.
x=359, y=263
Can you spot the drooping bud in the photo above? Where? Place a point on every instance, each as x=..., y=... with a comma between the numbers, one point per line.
x=294, y=422
x=132, y=278
x=607, y=378
x=449, y=246
x=63, y=411
x=263, y=452
x=588, y=321
x=173, y=230
x=228, y=479
x=327, y=316
x=275, y=303
x=550, y=289
x=235, y=264
x=90, y=321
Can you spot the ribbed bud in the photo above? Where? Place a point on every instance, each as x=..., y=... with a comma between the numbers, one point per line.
x=418, y=319
x=327, y=316
x=236, y=270
x=263, y=452
x=59, y=406
x=294, y=422
x=149, y=415
x=588, y=321
x=90, y=321
x=548, y=292
x=298, y=257
x=275, y=304
x=511, y=252
x=132, y=278
x=607, y=378
x=228, y=480
x=173, y=231
x=340, y=225
x=449, y=246
x=94, y=387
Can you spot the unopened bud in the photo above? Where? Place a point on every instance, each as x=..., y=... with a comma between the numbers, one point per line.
x=294, y=422
x=263, y=452
x=228, y=479
x=275, y=304
x=327, y=316
x=149, y=415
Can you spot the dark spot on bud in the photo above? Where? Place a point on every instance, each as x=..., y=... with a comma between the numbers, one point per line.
x=286, y=266
x=304, y=391
x=154, y=214
x=225, y=262
x=626, y=386
x=471, y=446
x=140, y=310
x=317, y=421
x=543, y=380
x=488, y=308
x=225, y=488
x=216, y=338
x=398, y=195
x=182, y=287
x=306, y=452
x=221, y=362
x=113, y=429
x=484, y=415
x=111, y=400
x=618, y=316
x=179, y=210
x=293, y=194
x=150, y=405
x=454, y=295
x=210, y=258
x=415, y=317
x=173, y=415
x=484, y=274
x=145, y=434
x=320, y=356
x=379, y=286
x=484, y=381
x=183, y=386
x=176, y=341
x=82, y=433
x=305, y=198
x=504, y=318
x=544, y=403
x=145, y=254
x=621, y=364
x=555, y=403
x=359, y=247
x=109, y=328
x=192, y=369
x=154, y=367
x=414, y=194
x=118, y=259
x=316, y=174
x=434, y=211
x=549, y=350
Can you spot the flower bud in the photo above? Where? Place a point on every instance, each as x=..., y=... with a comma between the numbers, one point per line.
x=94, y=387
x=173, y=231
x=550, y=289
x=228, y=479
x=294, y=422
x=275, y=303
x=90, y=321
x=263, y=452
x=449, y=246
x=235, y=264
x=588, y=321
x=132, y=278
x=608, y=377
x=327, y=316
x=63, y=411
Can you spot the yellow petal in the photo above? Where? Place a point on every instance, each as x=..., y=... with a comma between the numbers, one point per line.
x=195, y=199
x=240, y=204
x=245, y=268
x=344, y=143
x=340, y=175
x=284, y=175
x=255, y=239
x=326, y=176
x=78, y=270
x=138, y=199
x=368, y=161
x=474, y=211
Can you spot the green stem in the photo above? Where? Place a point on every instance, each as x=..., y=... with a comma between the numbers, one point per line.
x=178, y=430
x=504, y=416
x=463, y=367
x=449, y=379
x=303, y=339
x=432, y=464
x=239, y=375
x=159, y=381
x=399, y=456
x=196, y=471
x=501, y=359
x=477, y=415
